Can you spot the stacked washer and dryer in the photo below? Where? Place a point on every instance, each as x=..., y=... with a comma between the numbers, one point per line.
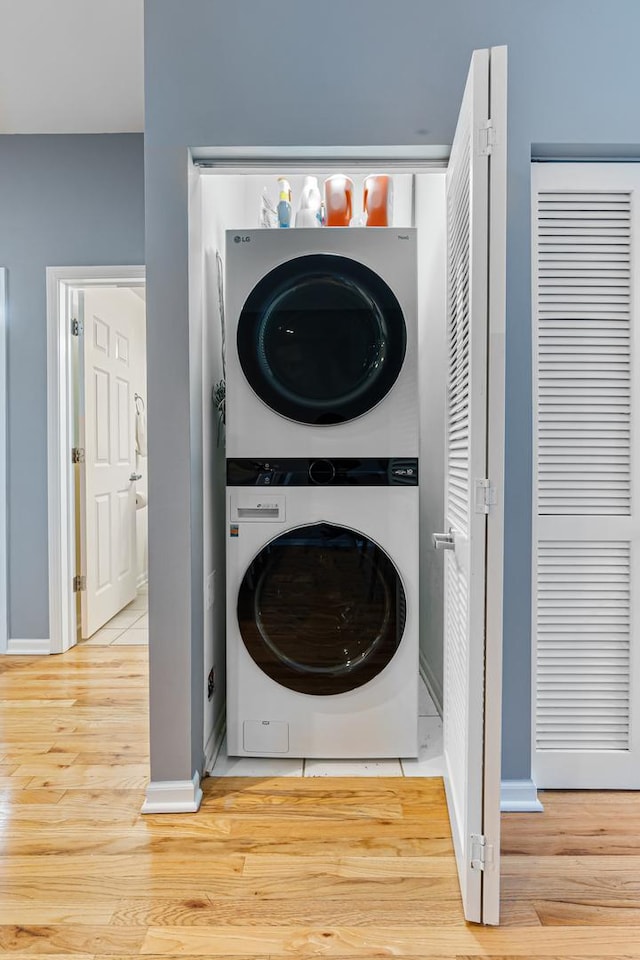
x=322, y=493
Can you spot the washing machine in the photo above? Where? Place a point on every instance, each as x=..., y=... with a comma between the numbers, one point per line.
x=321, y=342
x=322, y=607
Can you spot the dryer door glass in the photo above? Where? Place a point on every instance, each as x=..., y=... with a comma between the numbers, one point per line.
x=321, y=339
x=321, y=609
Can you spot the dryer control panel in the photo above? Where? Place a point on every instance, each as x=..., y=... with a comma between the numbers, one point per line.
x=320, y=471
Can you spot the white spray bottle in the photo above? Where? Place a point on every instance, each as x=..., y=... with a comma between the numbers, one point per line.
x=309, y=213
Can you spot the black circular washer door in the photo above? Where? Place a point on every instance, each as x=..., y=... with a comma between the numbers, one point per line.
x=321, y=609
x=321, y=339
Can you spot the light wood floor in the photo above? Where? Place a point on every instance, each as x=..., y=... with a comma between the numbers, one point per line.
x=268, y=868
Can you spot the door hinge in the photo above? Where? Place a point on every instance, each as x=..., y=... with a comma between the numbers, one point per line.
x=486, y=137
x=77, y=328
x=77, y=455
x=484, y=495
x=481, y=852
x=79, y=583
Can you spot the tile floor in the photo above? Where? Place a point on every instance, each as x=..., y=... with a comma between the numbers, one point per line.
x=428, y=764
x=129, y=627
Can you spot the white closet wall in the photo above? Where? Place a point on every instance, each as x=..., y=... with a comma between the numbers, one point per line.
x=430, y=220
x=586, y=565
x=223, y=205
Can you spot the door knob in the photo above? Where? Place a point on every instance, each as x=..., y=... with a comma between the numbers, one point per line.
x=444, y=541
x=134, y=477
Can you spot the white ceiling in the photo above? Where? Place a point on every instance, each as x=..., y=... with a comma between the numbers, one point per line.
x=71, y=66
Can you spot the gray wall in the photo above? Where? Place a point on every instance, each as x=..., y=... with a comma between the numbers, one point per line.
x=363, y=72
x=64, y=201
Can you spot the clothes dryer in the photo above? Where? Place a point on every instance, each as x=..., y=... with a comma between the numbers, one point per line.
x=322, y=608
x=321, y=339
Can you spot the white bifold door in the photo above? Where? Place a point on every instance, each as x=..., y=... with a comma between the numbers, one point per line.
x=108, y=474
x=476, y=225
x=586, y=563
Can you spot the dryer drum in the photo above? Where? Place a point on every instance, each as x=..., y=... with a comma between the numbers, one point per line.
x=321, y=339
x=321, y=609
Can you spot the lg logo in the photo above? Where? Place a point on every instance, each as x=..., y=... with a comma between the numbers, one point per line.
x=238, y=239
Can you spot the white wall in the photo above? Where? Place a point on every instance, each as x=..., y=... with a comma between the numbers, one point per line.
x=430, y=206
x=223, y=206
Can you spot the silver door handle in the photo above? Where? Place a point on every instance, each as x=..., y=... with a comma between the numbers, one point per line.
x=134, y=477
x=444, y=541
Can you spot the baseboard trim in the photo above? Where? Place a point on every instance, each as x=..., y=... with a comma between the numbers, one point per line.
x=433, y=686
x=519, y=796
x=212, y=748
x=28, y=648
x=173, y=796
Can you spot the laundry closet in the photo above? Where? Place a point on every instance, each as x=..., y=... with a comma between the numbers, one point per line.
x=322, y=498
x=402, y=430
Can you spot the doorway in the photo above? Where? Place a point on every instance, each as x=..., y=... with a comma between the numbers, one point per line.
x=97, y=456
x=475, y=222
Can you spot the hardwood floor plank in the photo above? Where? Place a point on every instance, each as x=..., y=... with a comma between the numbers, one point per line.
x=352, y=845
x=606, y=888
x=348, y=867
x=18, y=913
x=260, y=828
x=297, y=802
x=123, y=777
x=358, y=942
x=563, y=914
x=574, y=836
x=10, y=801
x=427, y=790
x=294, y=912
x=122, y=866
x=555, y=866
x=111, y=884
x=97, y=940
x=587, y=799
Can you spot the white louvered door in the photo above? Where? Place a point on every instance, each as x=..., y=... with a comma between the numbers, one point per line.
x=475, y=293
x=586, y=564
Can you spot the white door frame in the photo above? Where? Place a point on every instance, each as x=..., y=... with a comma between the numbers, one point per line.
x=4, y=567
x=61, y=509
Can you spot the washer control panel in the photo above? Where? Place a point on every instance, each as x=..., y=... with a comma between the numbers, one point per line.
x=339, y=472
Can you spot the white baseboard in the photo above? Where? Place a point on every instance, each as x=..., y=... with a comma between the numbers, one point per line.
x=173, y=796
x=212, y=747
x=28, y=648
x=519, y=796
x=433, y=685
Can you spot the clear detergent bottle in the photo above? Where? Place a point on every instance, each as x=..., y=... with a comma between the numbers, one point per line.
x=284, y=203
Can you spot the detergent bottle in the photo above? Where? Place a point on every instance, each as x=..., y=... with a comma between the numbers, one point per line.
x=284, y=203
